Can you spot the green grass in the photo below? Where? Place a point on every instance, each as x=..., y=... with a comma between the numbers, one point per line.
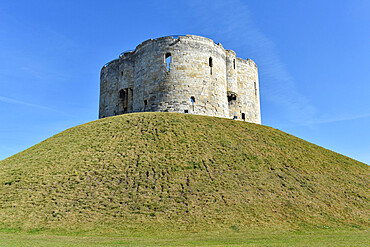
x=317, y=238
x=163, y=172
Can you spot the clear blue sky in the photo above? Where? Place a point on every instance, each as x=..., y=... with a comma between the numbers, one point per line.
x=313, y=58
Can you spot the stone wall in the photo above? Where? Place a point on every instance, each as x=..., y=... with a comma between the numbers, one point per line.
x=202, y=78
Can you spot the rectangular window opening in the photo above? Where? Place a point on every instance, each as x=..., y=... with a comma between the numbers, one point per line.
x=125, y=100
x=168, y=61
x=255, y=89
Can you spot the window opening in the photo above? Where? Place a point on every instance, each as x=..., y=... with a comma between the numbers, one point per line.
x=192, y=99
x=125, y=95
x=122, y=94
x=210, y=63
x=168, y=60
x=186, y=111
x=231, y=96
x=121, y=73
x=146, y=102
x=123, y=98
x=255, y=89
x=243, y=116
x=234, y=63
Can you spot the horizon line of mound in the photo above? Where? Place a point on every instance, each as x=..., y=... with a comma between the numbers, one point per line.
x=177, y=171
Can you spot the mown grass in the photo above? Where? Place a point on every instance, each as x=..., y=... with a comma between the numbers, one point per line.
x=316, y=238
x=162, y=172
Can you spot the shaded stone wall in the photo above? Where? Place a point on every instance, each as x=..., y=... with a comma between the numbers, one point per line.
x=203, y=78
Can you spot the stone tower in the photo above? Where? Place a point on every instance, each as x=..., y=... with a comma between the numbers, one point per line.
x=185, y=74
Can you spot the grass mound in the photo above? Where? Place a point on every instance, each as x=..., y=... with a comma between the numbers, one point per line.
x=178, y=171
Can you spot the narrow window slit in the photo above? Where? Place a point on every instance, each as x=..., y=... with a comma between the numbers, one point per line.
x=192, y=99
x=168, y=61
x=255, y=89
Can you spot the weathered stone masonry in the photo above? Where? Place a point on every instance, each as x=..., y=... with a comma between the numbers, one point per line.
x=186, y=74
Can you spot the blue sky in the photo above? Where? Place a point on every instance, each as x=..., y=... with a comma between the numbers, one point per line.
x=313, y=58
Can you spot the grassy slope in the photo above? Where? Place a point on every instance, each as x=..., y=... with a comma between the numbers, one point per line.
x=176, y=171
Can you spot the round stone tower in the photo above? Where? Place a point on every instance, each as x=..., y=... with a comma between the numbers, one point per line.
x=185, y=74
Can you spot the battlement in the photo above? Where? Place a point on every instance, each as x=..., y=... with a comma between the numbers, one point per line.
x=182, y=73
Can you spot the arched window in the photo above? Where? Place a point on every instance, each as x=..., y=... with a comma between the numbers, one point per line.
x=167, y=58
x=210, y=63
x=234, y=63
